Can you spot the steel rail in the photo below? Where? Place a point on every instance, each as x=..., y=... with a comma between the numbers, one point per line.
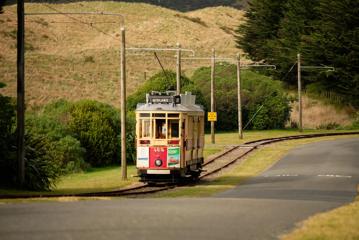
x=144, y=189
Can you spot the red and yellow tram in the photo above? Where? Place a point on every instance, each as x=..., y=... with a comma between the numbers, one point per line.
x=169, y=137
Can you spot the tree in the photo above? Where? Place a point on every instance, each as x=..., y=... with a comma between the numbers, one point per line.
x=297, y=21
x=2, y=3
x=334, y=41
x=263, y=19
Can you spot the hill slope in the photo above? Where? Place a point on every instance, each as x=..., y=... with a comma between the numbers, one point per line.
x=69, y=58
x=179, y=5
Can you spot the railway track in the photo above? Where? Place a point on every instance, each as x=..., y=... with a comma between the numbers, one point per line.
x=211, y=166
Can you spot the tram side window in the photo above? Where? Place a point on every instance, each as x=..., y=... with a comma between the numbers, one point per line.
x=173, y=128
x=161, y=128
x=145, y=126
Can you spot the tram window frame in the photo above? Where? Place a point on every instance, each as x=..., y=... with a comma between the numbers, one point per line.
x=170, y=123
x=143, y=126
x=160, y=132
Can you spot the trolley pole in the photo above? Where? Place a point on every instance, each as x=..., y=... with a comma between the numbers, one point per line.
x=240, y=132
x=178, y=72
x=300, y=96
x=21, y=91
x=123, y=105
x=212, y=93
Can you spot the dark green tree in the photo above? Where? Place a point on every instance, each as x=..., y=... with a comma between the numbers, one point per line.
x=297, y=21
x=263, y=19
x=334, y=41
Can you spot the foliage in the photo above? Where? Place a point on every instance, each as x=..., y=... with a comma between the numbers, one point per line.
x=257, y=90
x=82, y=133
x=41, y=171
x=7, y=139
x=69, y=154
x=51, y=123
x=263, y=18
x=325, y=32
x=335, y=41
x=162, y=81
x=96, y=125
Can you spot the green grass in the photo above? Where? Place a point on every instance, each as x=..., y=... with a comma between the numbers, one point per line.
x=341, y=223
x=109, y=178
x=93, y=180
x=253, y=165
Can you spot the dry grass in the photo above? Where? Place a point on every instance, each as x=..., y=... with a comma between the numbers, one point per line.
x=74, y=61
x=316, y=114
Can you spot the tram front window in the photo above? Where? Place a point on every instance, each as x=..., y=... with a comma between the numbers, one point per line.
x=161, y=128
x=173, y=128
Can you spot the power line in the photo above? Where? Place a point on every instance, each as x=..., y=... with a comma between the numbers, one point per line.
x=73, y=18
x=72, y=22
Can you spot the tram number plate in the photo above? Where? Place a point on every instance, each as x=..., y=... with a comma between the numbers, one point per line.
x=212, y=116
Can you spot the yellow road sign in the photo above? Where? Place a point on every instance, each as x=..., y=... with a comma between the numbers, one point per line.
x=212, y=116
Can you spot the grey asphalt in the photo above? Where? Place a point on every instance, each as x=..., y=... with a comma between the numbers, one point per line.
x=310, y=179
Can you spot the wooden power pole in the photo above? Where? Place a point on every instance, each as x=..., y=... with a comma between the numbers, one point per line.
x=240, y=132
x=300, y=96
x=213, y=140
x=21, y=91
x=123, y=105
x=178, y=71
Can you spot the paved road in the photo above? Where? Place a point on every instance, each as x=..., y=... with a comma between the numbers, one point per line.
x=311, y=179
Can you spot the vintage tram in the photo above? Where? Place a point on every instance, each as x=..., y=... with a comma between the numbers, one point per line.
x=169, y=137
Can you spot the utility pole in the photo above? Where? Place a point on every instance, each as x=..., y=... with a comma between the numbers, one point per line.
x=123, y=105
x=300, y=96
x=213, y=140
x=178, y=72
x=21, y=91
x=240, y=132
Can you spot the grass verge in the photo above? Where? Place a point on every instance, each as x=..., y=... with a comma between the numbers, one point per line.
x=253, y=165
x=93, y=180
x=341, y=223
x=109, y=178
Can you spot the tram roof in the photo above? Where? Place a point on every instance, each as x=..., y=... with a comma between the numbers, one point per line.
x=153, y=107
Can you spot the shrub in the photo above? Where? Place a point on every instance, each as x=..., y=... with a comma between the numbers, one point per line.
x=96, y=125
x=130, y=137
x=162, y=81
x=83, y=133
x=41, y=171
x=51, y=123
x=69, y=154
x=257, y=90
x=7, y=140
x=329, y=126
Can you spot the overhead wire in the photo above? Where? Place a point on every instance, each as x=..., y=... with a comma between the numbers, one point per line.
x=78, y=20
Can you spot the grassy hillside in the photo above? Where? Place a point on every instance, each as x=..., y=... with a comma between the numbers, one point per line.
x=179, y=5
x=69, y=59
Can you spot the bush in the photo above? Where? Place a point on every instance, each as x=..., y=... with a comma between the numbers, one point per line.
x=162, y=81
x=41, y=171
x=83, y=133
x=7, y=140
x=51, y=123
x=69, y=154
x=257, y=90
x=96, y=125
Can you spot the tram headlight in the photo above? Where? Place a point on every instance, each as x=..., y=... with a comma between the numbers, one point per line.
x=158, y=163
